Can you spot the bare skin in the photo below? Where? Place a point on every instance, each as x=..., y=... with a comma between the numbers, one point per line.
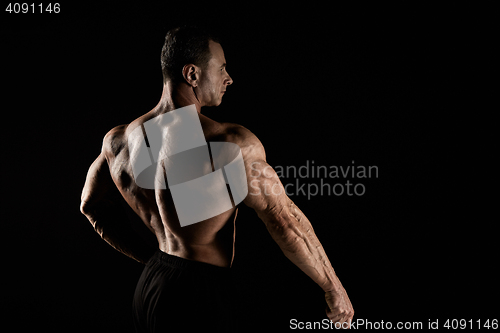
x=110, y=180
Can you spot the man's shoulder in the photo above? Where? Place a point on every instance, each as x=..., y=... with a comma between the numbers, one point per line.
x=240, y=135
x=113, y=141
x=244, y=138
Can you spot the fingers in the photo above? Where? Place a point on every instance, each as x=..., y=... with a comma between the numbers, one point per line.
x=341, y=319
x=339, y=309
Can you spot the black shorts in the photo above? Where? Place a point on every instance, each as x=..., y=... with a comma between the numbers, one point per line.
x=179, y=295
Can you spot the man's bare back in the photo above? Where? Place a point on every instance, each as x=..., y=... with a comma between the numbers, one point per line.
x=210, y=241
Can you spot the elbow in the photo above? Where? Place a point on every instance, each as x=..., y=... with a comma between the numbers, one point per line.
x=90, y=215
x=84, y=208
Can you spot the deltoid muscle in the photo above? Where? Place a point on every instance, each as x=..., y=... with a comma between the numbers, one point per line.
x=173, y=144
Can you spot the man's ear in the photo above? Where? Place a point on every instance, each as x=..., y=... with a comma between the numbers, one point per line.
x=191, y=74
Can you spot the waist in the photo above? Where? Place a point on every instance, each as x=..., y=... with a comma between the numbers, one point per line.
x=188, y=264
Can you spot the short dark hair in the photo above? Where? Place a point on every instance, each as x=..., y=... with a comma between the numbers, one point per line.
x=185, y=45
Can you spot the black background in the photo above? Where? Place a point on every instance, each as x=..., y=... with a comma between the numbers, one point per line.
x=375, y=85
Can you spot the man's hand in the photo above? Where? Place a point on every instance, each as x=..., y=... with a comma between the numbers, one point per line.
x=339, y=308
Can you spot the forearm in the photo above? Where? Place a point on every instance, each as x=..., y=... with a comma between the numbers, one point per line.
x=112, y=223
x=294, y=234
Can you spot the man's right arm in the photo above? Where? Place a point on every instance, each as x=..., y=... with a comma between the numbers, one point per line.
x=290, y=228
x=109, y=213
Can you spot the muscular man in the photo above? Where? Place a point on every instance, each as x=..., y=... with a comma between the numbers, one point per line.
x=185, y=282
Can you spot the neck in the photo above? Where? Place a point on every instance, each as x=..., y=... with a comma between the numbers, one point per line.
x=177, y=96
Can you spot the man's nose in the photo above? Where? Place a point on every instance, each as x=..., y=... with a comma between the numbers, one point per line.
x=229, y=80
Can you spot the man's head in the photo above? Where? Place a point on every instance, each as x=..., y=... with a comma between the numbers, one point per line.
x=194, y=57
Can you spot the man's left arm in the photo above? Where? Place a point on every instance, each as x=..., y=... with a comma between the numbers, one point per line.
x=106, y=210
